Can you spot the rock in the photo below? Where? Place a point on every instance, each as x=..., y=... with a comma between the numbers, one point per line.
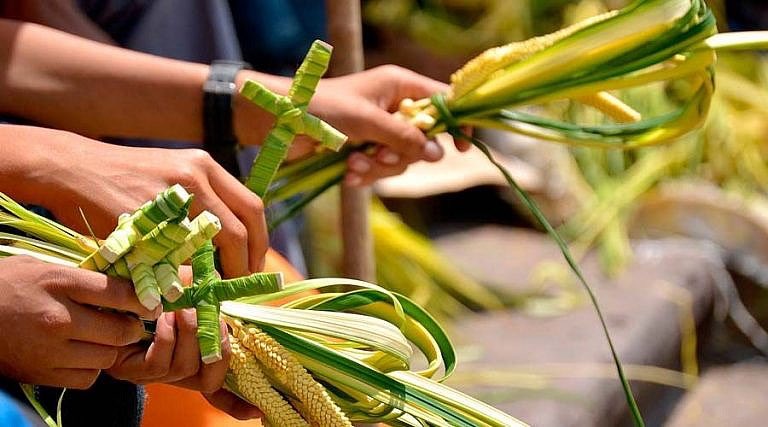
x=726, y=396
x=557, y=370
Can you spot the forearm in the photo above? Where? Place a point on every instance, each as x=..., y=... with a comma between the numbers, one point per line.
x=94, y=89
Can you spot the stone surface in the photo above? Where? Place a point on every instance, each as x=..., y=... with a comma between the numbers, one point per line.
x=726, y=396
x=557, y=370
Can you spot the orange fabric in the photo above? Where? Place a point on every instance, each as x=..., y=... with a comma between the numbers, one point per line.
x=169, y=406
x=276, y=262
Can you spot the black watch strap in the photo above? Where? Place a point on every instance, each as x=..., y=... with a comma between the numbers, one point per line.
x=219, y=138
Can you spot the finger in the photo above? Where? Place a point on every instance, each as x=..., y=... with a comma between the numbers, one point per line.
x=127, y=359
x=463, y=144
x=211, y=376
x=84, y=355
x=233, y=405
x=386, y=156
x=249, y=209
x=381, y=127
x=410, y=84
x=88, y=287
x=186, y=354
x=185, y=274
x=405, y=140
x=95, y=326
x=364, y=170
x=359, y=163
x=232, y=240
x=140, y=365
x=80, y=379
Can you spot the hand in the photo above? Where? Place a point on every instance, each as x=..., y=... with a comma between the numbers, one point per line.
x=361, y=105
x=233, y=405
x=53, y=334
x=173, y=357
x=106, y=180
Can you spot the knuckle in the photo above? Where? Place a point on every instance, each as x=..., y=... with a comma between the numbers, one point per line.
x=186, y=176
x=235, y=233
x=199, y=157
x=254, y=205
x=127, y=332
x=211, y=380
x=390, y=69
x=51, y=277
x=56, y=319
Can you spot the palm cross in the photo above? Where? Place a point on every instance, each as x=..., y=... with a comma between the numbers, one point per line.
x=292, y=117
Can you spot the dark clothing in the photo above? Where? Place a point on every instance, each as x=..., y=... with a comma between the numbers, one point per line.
x=109, y=403
x=747, y=15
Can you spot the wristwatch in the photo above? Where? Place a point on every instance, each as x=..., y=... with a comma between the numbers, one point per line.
x=219, y=89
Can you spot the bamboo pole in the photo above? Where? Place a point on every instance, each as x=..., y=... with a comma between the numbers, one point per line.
x=345, y=34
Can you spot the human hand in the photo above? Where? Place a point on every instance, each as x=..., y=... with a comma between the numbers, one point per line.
x=173, y=357
x=53, y=334
x=233, y=405
x=106, y=180
x=361, y=106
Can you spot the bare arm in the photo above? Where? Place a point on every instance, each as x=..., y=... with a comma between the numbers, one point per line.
x=95, y=89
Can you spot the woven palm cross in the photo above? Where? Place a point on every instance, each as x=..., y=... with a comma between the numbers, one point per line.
x=292, y=118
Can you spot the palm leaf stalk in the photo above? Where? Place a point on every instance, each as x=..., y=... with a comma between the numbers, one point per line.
x=329, y=358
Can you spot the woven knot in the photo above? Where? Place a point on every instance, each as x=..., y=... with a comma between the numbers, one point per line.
x=451, y=124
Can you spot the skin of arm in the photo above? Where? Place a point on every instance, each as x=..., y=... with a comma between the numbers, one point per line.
x=94, y=89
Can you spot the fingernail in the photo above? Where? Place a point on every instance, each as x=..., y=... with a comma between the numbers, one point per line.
x=389, y=158
x=432, y=151
x=353, y=180
x=359, y=165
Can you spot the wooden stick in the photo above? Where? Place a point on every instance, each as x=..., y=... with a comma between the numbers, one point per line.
x=345, y=34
